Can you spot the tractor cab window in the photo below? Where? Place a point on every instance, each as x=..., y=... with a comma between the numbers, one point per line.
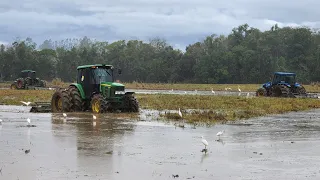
x=102, y=75
x=290, y=79
x=32, y=75
x=287, y=79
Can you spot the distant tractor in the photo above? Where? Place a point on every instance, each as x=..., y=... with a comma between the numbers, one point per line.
x=283, y=84
x=27, y=80
x=95, y=91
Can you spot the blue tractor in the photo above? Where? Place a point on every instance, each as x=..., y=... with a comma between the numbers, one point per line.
x=283, y=84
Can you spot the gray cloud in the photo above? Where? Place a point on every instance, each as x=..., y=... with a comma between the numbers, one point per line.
x=181, y=22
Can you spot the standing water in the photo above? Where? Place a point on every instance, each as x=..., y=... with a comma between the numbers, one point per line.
x=275, y=147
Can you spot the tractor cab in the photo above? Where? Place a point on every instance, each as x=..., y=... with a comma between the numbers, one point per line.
x=28, y=73
x=284, y=78
x=97, y=78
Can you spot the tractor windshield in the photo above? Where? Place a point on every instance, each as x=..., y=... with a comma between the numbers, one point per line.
x=290, y=79
x=102, y=75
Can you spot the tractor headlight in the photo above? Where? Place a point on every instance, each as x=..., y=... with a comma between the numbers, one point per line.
x=119, y=92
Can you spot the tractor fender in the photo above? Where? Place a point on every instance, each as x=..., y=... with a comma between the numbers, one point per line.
x=79, y=87
x=129, y=93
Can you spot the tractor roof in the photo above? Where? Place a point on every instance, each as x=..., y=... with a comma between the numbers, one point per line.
x=27, y=71
x=284, y=73
x=94, y=65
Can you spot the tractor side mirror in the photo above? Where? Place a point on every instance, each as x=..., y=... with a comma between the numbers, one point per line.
x=119, y=71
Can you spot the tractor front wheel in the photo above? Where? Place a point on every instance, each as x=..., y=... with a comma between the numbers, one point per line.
x=131, y=104
x=98, y=104
x=261, y=92
x=301, y=90
x=13, y=86
x=61, y=101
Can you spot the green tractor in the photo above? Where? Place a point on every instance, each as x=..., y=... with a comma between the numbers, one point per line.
x=27, y=80
x=95, y=91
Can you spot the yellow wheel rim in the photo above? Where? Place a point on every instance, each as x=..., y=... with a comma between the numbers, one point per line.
x=96, y=106
x=59, y=103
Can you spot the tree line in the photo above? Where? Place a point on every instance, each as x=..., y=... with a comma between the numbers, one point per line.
x=246, y=55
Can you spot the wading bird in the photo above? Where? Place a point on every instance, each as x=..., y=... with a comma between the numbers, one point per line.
x=26, y=103
x=205, y=143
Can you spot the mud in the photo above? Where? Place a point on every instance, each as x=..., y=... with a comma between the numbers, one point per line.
x=274, y=147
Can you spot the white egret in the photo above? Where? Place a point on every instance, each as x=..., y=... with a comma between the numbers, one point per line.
x=26, y=103
x=213, y=91
x=179, y=112
x=204, y=142
x=94, y=117
x=64, y=114
x=239, y=88
x=220, y=133
x=29, y=121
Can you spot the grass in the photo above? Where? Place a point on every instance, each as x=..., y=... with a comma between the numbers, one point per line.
x=195, y=108
x=311, y=88
x=224, y=108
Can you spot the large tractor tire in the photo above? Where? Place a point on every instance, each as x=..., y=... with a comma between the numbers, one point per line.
x=131, y=104
x=77, y=102
x=20, y=84
x=261, y=92
x=99, y=104
x=61, y=101
x=281, y=91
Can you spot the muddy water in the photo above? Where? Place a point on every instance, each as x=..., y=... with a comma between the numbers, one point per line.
x=276, y=147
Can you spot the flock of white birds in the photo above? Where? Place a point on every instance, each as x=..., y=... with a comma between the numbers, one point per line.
x=205, y=142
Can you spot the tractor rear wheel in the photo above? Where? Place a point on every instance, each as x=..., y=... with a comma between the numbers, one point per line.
x=281, y=91
x=131, y=104
x=61, y=101
x=77, y=103
x=99, y=104
x=20, y=84
x=261, y=92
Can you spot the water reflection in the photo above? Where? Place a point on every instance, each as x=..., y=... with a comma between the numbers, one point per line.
x=93, y=137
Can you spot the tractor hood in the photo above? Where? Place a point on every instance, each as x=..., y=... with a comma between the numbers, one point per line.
x=113, y=85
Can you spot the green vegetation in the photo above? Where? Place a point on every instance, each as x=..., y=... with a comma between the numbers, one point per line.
x=246, y=55
x=314, y=87
x=195, y=108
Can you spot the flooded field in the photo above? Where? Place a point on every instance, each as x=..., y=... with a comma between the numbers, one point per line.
x=274, y=147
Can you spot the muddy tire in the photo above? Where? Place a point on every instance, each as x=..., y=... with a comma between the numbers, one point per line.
x=77, y=102
x=43, y=83
x=281, y=91
x=98, y=104
x=13, y=86
x=61, y=101
x=261, y=92
x=301, y=90
x=131, y=104
x=20, y=84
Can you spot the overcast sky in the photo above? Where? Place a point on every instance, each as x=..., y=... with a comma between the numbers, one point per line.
x=180, y=22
